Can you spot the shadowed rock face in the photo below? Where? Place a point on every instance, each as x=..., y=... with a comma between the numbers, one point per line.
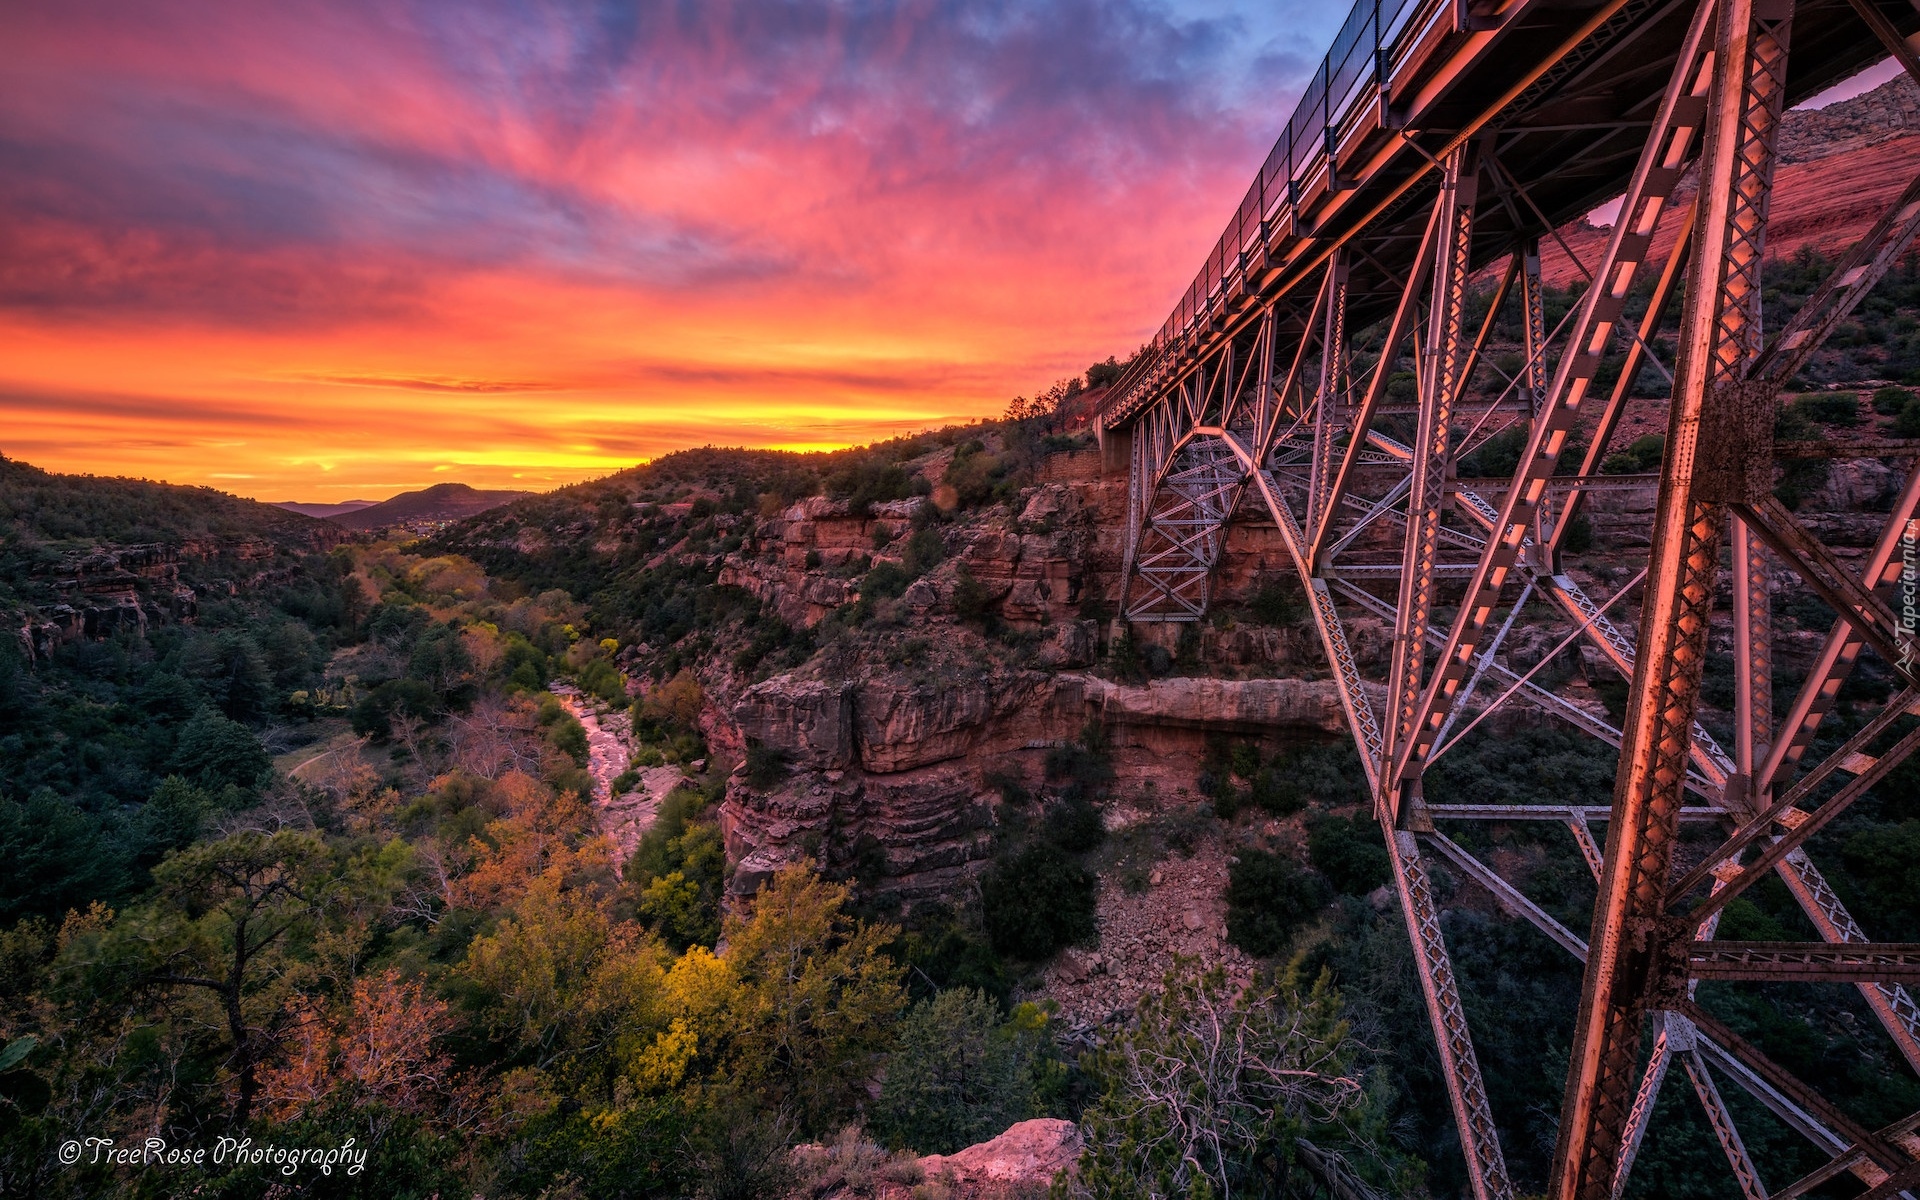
x=902, y=766
x=808, y=723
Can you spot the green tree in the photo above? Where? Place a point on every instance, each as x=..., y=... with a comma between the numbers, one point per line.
x=682, y=901
x=215, y=751
x=216, y=939
x=54, y=856
x=961, y=1073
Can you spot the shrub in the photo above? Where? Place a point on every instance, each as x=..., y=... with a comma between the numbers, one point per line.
x=1156, y=660
x=1085, y=764
x=972, y=599
x=1496, y=457
x=1215, y=1090
x=975, y=475
x=867, y=482
x=1277, y=601
x=884, y=582
x=1348, y=851
x=1888, y=401
x=1907, y=423
x=766, y=765
x=1641, y=456
x=569, y=737
x=960, y=1074
x=1038, y=901
x=1074, y=826
x=1268, y=897
x=924, y=551
x=1830, y=408
x=1276, y=790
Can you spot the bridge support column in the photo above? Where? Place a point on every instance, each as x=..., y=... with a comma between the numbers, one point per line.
x=1707, y=458
x=1116, y=450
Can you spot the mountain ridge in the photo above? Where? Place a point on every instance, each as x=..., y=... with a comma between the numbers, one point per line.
x=441, y=502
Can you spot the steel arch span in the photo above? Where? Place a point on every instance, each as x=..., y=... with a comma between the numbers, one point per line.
x=1441, y=142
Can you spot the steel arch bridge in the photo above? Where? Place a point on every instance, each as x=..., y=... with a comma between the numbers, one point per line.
x=1441, y=141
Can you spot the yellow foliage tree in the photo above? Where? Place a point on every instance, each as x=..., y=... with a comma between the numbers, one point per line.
x=814, y=1011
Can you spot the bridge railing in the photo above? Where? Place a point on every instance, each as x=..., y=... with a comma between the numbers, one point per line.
x=1364, y=53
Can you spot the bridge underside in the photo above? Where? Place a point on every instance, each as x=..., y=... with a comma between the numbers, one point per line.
x=1322, y=371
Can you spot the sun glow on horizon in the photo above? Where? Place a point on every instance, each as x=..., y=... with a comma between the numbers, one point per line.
x=310, y=250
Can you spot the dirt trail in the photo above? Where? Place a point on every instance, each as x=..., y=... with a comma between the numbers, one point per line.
x=625, y=817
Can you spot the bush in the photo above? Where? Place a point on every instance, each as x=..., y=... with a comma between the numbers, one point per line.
x=867, y=482
x=1642, y=456
x=1497, y=457
x=766, y=765
x=972, y=600
x=1216, y=1090
x=569, y=737
x=1084, y=765
x=1830, y=408
x=1907, y=423
x=1038, y=901
x=1349, y=852
x=1268, y=897
x=1276, y=790
x=924, y=551
x=1277, y=601
x=1074, y=826
x=1888, y=401
x=961, y=1073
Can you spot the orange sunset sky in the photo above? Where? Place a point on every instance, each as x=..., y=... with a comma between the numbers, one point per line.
x=318, y=251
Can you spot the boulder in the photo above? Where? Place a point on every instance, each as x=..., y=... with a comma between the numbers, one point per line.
x=1031, y=1152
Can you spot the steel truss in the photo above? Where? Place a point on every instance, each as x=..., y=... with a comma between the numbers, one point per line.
x=1258, y=399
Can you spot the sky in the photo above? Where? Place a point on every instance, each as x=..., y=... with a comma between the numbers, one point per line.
x=329, y=250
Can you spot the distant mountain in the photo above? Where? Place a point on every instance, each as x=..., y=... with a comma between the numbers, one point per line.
x=441, y=502
x=324, y=511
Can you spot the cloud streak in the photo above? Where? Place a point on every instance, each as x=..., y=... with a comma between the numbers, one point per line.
x=513, y=218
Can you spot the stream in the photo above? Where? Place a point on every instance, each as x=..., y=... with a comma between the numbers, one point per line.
x=626, y=817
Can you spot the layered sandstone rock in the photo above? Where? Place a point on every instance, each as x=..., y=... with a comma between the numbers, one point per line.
x=893, y=773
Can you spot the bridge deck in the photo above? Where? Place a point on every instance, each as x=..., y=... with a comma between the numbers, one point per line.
x=1563, y=93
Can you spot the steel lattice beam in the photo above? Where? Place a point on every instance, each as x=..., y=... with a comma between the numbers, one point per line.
x=1275, y=380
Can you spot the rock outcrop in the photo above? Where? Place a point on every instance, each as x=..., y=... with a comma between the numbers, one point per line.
x=896, y=777
x=1031, y=1152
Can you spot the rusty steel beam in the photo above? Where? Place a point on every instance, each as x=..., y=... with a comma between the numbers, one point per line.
x=1441, y=380
x=1806, y=962
x=1719, y=339
x=1831, y=581
x=1404, y=317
